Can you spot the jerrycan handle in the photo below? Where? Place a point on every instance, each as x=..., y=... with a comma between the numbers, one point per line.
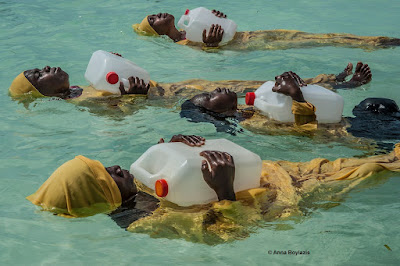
x=146, y=177
x=184, y=21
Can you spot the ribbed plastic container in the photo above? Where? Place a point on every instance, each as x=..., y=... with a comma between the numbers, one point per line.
x=329, y=105
x=105, y=70
x=196, y=20
x=176, y=169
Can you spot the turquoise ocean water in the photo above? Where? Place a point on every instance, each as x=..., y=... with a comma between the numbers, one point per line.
x=35, y=140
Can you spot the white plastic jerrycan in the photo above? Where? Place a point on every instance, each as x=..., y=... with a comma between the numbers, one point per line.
x=277, y=106
x=105, y=70
x=173, y=170
x=196, y=20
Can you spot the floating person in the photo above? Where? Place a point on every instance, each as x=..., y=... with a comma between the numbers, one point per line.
x=383, y=114
x=54, y=82
x=190, y=88
x=164, y=24
x=83, y=187
x=284, y=188
x=220, y=108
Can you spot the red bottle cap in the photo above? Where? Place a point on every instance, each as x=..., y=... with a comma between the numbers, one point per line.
x=187, y=11
x=161, y=187
x=250, y=97
x=112, y=77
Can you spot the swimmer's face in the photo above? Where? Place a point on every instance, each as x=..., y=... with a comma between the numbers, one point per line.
x=221, y=101
x=286, y=84
x=283, y=80
x=162, y=22
x=124, y=181
x=49, y=81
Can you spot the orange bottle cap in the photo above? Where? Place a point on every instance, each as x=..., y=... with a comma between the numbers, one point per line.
x=161, y=187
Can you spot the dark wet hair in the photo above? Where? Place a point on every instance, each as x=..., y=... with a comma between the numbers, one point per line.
x=374, y=106
x=378, y=119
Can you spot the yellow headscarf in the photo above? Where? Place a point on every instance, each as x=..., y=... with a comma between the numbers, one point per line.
x=144, y=28
x=78, y=188
x=21, y=86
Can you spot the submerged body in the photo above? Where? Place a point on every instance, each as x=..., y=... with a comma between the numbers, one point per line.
x=83, y=187
x=284, y=188
x=199, y=109
x=189, y=88
x=163, y=24
x=288, y=39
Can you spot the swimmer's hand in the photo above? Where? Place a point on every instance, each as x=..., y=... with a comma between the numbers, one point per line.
x=289, y=84
x=117, y=54
x=218, y=14
x=219, y=173
x=136, y=86
x=214, y=36
x=190, y=140
x=362, y=74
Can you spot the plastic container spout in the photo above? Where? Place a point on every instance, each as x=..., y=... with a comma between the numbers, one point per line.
x=250, y=97
x=161, y=188
x=112, y=77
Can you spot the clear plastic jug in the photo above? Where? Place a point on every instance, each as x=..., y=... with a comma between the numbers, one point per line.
x=176, y=169
x=277, y=106
x=105, y=70
x=196, y=20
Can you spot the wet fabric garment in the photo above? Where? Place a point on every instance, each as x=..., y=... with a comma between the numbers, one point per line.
x=21, y=86
x=144, y=28
x=189, y=88
x=287, y=39
x=304, y=113
x=284, y=187
x=80, y=187
x=90, y=92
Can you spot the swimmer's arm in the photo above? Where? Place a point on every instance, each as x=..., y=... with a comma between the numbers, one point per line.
x=347, y=85
x=218, y=170
x=362, y=75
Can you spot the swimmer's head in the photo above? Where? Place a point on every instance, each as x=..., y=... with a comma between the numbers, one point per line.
x=124, y=181
x=378, y=119
x=156, y=24
x=377, y=106
x=22, y=86
x=220, y=100
x=80, y=187
x=49, y=81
